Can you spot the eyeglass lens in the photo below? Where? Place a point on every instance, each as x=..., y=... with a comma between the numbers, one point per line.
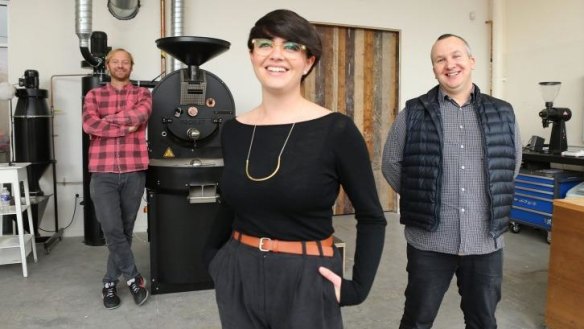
x=266, y=46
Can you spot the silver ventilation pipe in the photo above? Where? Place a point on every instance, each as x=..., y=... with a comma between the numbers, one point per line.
x=176, y=28
x=83, y=17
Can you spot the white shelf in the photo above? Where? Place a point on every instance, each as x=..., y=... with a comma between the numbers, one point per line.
x=11, y=210
x=15, y=248
x=10, y=248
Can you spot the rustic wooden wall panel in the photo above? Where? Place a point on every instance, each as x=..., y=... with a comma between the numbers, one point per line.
x=389, y=105
x=358, y=76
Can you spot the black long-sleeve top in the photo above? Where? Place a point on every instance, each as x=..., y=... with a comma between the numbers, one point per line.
x=297, y=203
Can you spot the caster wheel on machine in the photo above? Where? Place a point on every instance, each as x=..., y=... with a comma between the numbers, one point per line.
x=514, y=227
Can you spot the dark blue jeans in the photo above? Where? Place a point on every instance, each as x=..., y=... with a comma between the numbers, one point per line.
x=116, y=198
x=429, y=275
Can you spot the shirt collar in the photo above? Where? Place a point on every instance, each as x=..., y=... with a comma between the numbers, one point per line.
x=125, y=87
x=442, y=97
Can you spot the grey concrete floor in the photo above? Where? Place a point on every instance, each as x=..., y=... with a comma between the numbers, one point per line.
x=63, y=289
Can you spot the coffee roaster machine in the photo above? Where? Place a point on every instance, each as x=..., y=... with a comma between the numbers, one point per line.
x=189, y=107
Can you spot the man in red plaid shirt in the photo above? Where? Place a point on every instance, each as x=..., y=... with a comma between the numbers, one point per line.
x=115, y=117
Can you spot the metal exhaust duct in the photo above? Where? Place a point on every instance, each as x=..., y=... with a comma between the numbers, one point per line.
x=176, y=27
x=83, y=19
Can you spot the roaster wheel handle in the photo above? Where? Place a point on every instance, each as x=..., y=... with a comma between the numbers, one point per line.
x=193, y=133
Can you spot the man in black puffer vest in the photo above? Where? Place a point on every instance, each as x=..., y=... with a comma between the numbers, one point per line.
x=452, y=155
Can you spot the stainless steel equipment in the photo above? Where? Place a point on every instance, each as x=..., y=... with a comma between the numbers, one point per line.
x=189, y=107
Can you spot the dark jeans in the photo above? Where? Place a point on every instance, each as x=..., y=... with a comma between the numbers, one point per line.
x=264, y=290
x=429, y=275
x=116, y=198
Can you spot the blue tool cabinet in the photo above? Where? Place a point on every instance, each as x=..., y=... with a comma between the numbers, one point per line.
x=535, y=191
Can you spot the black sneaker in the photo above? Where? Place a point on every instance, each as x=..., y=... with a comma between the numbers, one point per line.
x=110, y=296
x=138, y=289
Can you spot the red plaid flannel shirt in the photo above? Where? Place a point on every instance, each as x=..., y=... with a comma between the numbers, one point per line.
x=108, y=113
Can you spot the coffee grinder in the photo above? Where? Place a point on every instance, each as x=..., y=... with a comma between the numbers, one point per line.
x=557, y=115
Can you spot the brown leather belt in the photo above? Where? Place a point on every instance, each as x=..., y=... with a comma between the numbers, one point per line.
x=287, y=247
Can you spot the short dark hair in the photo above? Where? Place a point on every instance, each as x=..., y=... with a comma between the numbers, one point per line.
x=288, y=25
x=449, y=35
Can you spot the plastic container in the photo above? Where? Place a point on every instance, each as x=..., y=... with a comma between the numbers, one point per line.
x=576, y=191
x=5, y=198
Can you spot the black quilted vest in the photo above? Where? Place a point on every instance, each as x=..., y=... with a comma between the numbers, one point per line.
x=421, y=178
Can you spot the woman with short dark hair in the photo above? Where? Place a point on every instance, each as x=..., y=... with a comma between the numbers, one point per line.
x=271, y=253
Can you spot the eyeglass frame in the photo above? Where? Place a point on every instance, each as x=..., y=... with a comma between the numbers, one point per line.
x=287, y=52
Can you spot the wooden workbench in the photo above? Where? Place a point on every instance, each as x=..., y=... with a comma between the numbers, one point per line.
x=565, y=294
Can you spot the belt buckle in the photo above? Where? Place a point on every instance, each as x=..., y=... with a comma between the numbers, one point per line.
x=261, y=245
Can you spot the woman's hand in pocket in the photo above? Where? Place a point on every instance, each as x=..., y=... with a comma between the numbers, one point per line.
x=334, y=279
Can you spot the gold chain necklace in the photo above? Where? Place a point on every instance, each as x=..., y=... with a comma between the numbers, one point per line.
x=279, y=155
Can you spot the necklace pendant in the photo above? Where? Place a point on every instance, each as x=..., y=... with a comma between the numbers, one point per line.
x=262, y=179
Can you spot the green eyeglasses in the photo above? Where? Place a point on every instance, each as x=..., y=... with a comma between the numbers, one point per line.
x=264, y=47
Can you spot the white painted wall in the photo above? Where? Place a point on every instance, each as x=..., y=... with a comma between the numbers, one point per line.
x=52, y=49
x=545, y=42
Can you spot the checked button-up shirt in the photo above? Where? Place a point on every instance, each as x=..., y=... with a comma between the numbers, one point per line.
x=108, y=114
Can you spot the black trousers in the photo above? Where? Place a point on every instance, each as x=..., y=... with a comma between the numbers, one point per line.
x=264, y=290
x=429, y=275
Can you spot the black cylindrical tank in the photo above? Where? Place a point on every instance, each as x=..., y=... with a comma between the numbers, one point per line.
x=92, y=233
x=32, y=129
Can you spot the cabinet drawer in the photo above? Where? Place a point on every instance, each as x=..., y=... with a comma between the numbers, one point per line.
x=536, y=179
x=531, y=217
x=534, y=193
x=539, y=184
x=532, y=201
